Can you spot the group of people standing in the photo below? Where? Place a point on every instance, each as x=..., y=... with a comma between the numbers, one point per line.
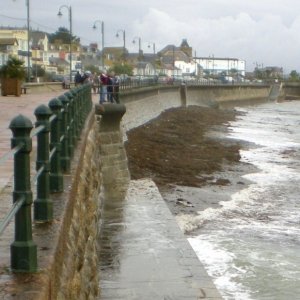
x=109, y=87
x=106, y=84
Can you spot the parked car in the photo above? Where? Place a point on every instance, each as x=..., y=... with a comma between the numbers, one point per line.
x=57, y=78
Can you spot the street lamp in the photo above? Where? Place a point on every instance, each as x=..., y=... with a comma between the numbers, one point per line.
x=124, y=40
x=69, y=8
x=28, y=38
x=154, y=55
x=102, y=40
x=139, y=39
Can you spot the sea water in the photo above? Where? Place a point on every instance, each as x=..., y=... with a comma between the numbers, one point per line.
x=250, y=245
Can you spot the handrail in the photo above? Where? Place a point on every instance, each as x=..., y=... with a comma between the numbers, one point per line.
x=57, y=129
x=15, y=208
x=10, y=154
x=134, y=83
x=36, y=131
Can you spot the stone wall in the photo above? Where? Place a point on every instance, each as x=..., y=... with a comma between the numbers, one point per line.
x=102, y=170
x=79, y=276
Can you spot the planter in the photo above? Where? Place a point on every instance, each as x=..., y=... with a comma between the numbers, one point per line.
x=11, y=86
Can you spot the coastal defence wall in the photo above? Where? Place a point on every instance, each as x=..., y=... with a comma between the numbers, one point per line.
x=199, y=95
x=146, y=104
x=291, y=90
x=68, y=260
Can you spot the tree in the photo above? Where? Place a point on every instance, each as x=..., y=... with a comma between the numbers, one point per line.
x=92, y=68
x=122, y=69
x=14, y=68
x=294, y=76
x=38, y=71
x=258, y=73
x=62, y=35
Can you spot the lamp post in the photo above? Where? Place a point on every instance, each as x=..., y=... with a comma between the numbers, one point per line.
x=154, y=55
x=28, y=39
x=102, y=40
x=139, y=39
x=124, y=40
x=173, y=61
x=69, y=8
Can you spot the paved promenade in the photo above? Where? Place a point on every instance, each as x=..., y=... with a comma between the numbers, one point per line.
x=11, y=106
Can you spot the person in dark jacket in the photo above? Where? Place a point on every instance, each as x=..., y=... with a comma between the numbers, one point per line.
x=116, y=87
x=110, y=88
x=77, y=78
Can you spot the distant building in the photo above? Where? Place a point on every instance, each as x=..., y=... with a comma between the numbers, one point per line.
x=221, y=66
x=13, y=42
x=273, y=72
x=179, y=59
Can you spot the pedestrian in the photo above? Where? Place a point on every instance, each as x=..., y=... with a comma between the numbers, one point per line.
x=77, y=78
x=103, y=87
x=116, y=88
x=110, y=87
x=95, y=83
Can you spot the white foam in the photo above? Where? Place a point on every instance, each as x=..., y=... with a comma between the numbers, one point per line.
x=220, y=265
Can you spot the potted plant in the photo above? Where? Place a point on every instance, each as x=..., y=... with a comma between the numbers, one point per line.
x=12, y=75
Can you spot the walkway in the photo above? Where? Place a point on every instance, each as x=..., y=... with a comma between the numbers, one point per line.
x=144, y=255
x=11, y=106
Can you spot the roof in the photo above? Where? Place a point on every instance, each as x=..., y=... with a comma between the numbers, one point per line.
x=184, y=43
x=8, y=41
x=37, y=36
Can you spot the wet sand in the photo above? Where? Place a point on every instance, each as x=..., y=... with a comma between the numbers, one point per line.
x=185, y=151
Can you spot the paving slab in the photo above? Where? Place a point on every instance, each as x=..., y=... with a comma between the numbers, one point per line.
x=143, y=252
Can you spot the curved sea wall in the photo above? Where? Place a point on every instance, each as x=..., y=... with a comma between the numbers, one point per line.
x=146, y=104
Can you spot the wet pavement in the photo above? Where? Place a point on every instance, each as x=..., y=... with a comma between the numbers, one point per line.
x=10, y=107
x=143, y=252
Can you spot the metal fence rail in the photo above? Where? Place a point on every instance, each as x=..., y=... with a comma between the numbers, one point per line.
x=57, y=128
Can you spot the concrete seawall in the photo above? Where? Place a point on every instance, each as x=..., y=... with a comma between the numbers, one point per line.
x=144, y=105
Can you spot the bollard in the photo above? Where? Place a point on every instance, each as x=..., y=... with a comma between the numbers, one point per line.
x=43, y=205
x=56, y=177
x=23, y=249
x=65, y=158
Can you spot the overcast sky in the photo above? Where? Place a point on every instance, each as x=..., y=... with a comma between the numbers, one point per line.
x=263, y=32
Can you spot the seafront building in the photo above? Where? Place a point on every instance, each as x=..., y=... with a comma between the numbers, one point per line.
x=173, y=61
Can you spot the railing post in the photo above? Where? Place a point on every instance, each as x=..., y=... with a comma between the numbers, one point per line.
x=43, y=205
x=23, y=249
x=88, y=99
x=65, y=158
x=81, y=108
x=76, y=112
x=56, y=177
x=71, y=132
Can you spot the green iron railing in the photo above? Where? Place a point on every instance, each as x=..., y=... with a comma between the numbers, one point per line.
x=57, y=128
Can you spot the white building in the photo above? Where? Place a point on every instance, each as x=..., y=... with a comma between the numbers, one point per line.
x=226, y=66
